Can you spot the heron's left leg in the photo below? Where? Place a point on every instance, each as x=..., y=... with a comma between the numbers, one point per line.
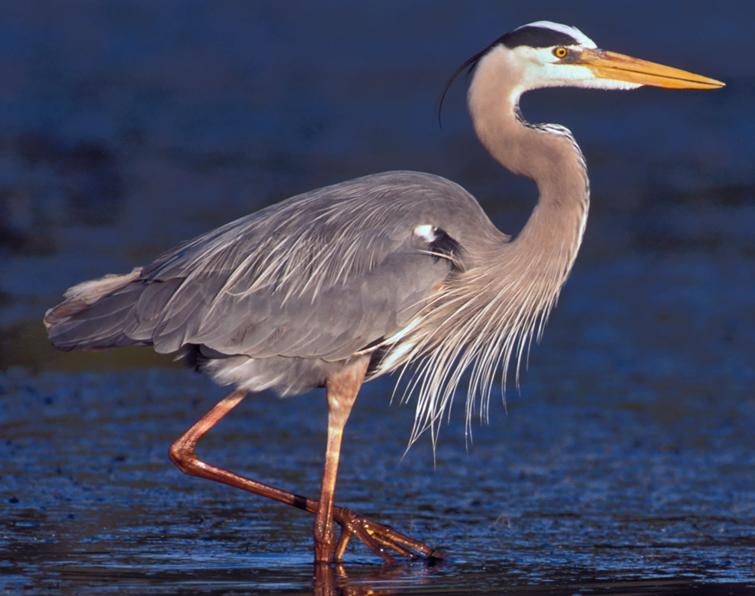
x=342, y=389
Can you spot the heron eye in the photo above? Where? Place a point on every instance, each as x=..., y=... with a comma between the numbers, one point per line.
x=560, y=52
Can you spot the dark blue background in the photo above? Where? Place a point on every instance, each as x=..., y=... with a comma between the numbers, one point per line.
x=628, y=455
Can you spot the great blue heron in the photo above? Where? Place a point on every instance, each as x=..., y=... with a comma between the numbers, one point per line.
x=345, y=283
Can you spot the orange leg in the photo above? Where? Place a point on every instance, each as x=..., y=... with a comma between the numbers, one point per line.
x=342, y=390
x=379, y=538
x=183, y=454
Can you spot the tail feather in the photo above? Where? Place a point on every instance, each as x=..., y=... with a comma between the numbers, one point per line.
x=94, y=313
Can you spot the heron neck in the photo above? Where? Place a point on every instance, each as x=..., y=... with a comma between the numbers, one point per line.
x=546, y=153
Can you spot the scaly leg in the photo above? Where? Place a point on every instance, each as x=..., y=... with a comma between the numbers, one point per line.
x=183, y=454
x=376, y=536
x=342, y=390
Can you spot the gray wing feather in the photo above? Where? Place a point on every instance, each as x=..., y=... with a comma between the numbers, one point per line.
x=322, y=274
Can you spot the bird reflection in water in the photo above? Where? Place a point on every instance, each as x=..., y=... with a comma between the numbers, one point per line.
x=331, y=579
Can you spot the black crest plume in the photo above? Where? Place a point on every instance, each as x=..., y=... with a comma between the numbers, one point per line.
x=469, y=65
x=528, y=35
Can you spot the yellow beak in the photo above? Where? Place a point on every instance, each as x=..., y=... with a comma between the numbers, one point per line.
x=618, y=67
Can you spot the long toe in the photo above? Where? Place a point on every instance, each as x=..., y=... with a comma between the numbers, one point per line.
x=381, y=539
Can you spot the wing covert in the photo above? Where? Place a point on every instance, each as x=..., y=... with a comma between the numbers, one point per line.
x=319, y=275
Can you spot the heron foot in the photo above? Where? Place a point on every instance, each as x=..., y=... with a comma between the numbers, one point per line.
x=382, y=540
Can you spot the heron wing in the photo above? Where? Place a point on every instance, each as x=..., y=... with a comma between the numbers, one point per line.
x=320, y=275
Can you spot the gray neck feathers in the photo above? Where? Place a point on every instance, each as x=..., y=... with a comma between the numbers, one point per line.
x=483, y=320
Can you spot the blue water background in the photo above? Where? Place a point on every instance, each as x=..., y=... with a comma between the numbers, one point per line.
x=625, y=461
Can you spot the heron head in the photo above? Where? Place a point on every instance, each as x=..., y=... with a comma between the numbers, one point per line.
x=548, y=54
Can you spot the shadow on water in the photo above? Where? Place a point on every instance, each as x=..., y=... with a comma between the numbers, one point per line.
x=625, y=463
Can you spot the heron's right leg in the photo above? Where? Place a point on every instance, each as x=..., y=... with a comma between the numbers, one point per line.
x=183, y=454
x=378, y=537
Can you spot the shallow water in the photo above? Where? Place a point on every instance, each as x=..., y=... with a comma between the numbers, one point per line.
x=625, y=463
x=574, y=487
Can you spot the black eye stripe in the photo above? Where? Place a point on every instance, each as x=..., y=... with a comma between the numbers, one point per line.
x=537, y=37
